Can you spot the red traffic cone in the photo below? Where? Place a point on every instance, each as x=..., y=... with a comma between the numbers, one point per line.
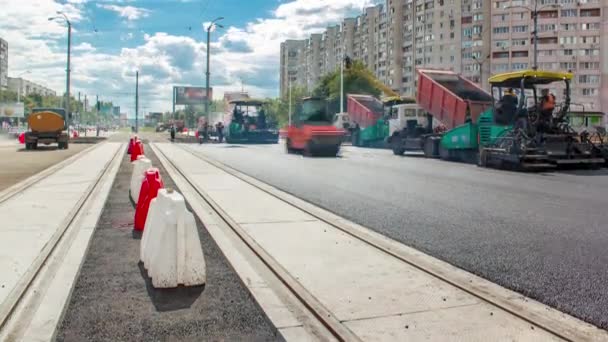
x=141, y=146
x=131, y=141
x=22, y=138
x=149, y=189
x=136, y=151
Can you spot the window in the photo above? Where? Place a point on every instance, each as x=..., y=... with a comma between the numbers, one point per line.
x=590, y=39
x=467, y=32
x=567, y=27
x=477, y=17
x=569, y=13
x=590, y=26
x=592, y=79
x=501, y=43
x=500, y=17
x=520, y=28
x=590, y=52
x=519, y=42
x=515, y=54
x=466, y=20
x=519, y=66
x=590, y=65
x=567, y=66
x=547, y=14
x=589, y=92
x=593, y=12
x=500, y=67
x=548, y=66
x=501, y=30
x=547, y=40
x=567, y=40
x=451, y=58
x=477, y=29
x=500, y=55
x=567, y=52
x=546, y=27
x=546, y=53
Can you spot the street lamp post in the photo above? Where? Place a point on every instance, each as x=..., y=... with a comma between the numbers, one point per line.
x=534, y=12
x=211, y=25
x=67, y=82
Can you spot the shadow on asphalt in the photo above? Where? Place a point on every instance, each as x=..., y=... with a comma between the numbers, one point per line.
x=39, y=149
x=597, y=172
x=173, y=299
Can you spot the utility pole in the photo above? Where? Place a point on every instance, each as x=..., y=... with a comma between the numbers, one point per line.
x=79, y=109
x=67, y=86
x=535, y=16
x=342, y=81
x=289, y=86
x=211, y=25
x=174, y=90
x=136, y=100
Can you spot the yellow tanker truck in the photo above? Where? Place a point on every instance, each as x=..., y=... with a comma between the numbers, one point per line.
x=46, y=126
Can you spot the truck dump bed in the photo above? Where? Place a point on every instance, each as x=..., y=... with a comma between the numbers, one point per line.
x=448, y=96
x=364, y=110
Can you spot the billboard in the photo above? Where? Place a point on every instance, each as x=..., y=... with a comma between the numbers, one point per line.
x=11, y=109
x=191, y=95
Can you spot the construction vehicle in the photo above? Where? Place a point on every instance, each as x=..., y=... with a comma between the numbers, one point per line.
x=482, y=130
x=248, y=124
x=532, y=138
x=311, y=130
x=47, y=126
x=449, y=101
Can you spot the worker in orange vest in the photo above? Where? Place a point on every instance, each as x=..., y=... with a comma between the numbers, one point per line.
x=547, y=104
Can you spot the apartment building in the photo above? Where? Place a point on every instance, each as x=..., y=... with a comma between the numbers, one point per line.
x=477, y=38
x=291, y=64
x=3, y=64
x=569, y=39
x=24, y=87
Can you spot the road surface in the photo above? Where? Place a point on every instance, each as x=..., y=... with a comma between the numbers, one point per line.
x=541, y=234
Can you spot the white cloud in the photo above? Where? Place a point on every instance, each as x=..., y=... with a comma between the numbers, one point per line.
x=128, y=12
x=250, y=52
x=84, y=47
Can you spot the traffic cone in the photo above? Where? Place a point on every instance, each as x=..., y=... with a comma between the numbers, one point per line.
x=149, y=190
x=136, y=151
x=131, y=141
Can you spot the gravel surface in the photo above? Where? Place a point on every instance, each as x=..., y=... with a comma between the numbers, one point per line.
x=113, y=299
x=541, y=234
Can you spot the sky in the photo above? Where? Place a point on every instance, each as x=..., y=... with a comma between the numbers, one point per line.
x=164, y=40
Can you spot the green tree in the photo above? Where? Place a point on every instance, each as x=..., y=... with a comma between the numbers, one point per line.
x=357, y=80
x=277, y=109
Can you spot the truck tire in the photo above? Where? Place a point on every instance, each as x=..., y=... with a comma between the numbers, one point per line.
x=28, y=146
x=288, y=147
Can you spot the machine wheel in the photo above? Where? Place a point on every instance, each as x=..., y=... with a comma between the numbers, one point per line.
x=288, y=147
x=483, y=158
x=398, y=151
x=34, y=145
x=28, y=146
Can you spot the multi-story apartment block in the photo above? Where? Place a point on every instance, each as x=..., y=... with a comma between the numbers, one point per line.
x=3, y=64
x=569, y=39
x=291, y=74
x=477, y=38
x=24, y=87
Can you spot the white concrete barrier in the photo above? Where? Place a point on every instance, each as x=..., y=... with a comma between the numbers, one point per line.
x=139, y=168
x=170, y=246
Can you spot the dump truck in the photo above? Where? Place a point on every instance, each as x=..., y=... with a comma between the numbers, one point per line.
x=448, y=98
x=311, y=131
x=47, y=126
x=488, y=132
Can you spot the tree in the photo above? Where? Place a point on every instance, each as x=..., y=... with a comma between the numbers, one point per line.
x=277, y=109
x=357, y=80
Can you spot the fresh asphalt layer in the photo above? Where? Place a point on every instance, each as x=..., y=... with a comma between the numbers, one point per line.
x=541, y=234
x=113, y=299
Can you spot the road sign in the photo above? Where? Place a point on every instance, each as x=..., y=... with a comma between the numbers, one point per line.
x=11, y=109
x=191, y=95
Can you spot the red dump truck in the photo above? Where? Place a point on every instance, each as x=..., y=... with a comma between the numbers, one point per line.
x=446, y=97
